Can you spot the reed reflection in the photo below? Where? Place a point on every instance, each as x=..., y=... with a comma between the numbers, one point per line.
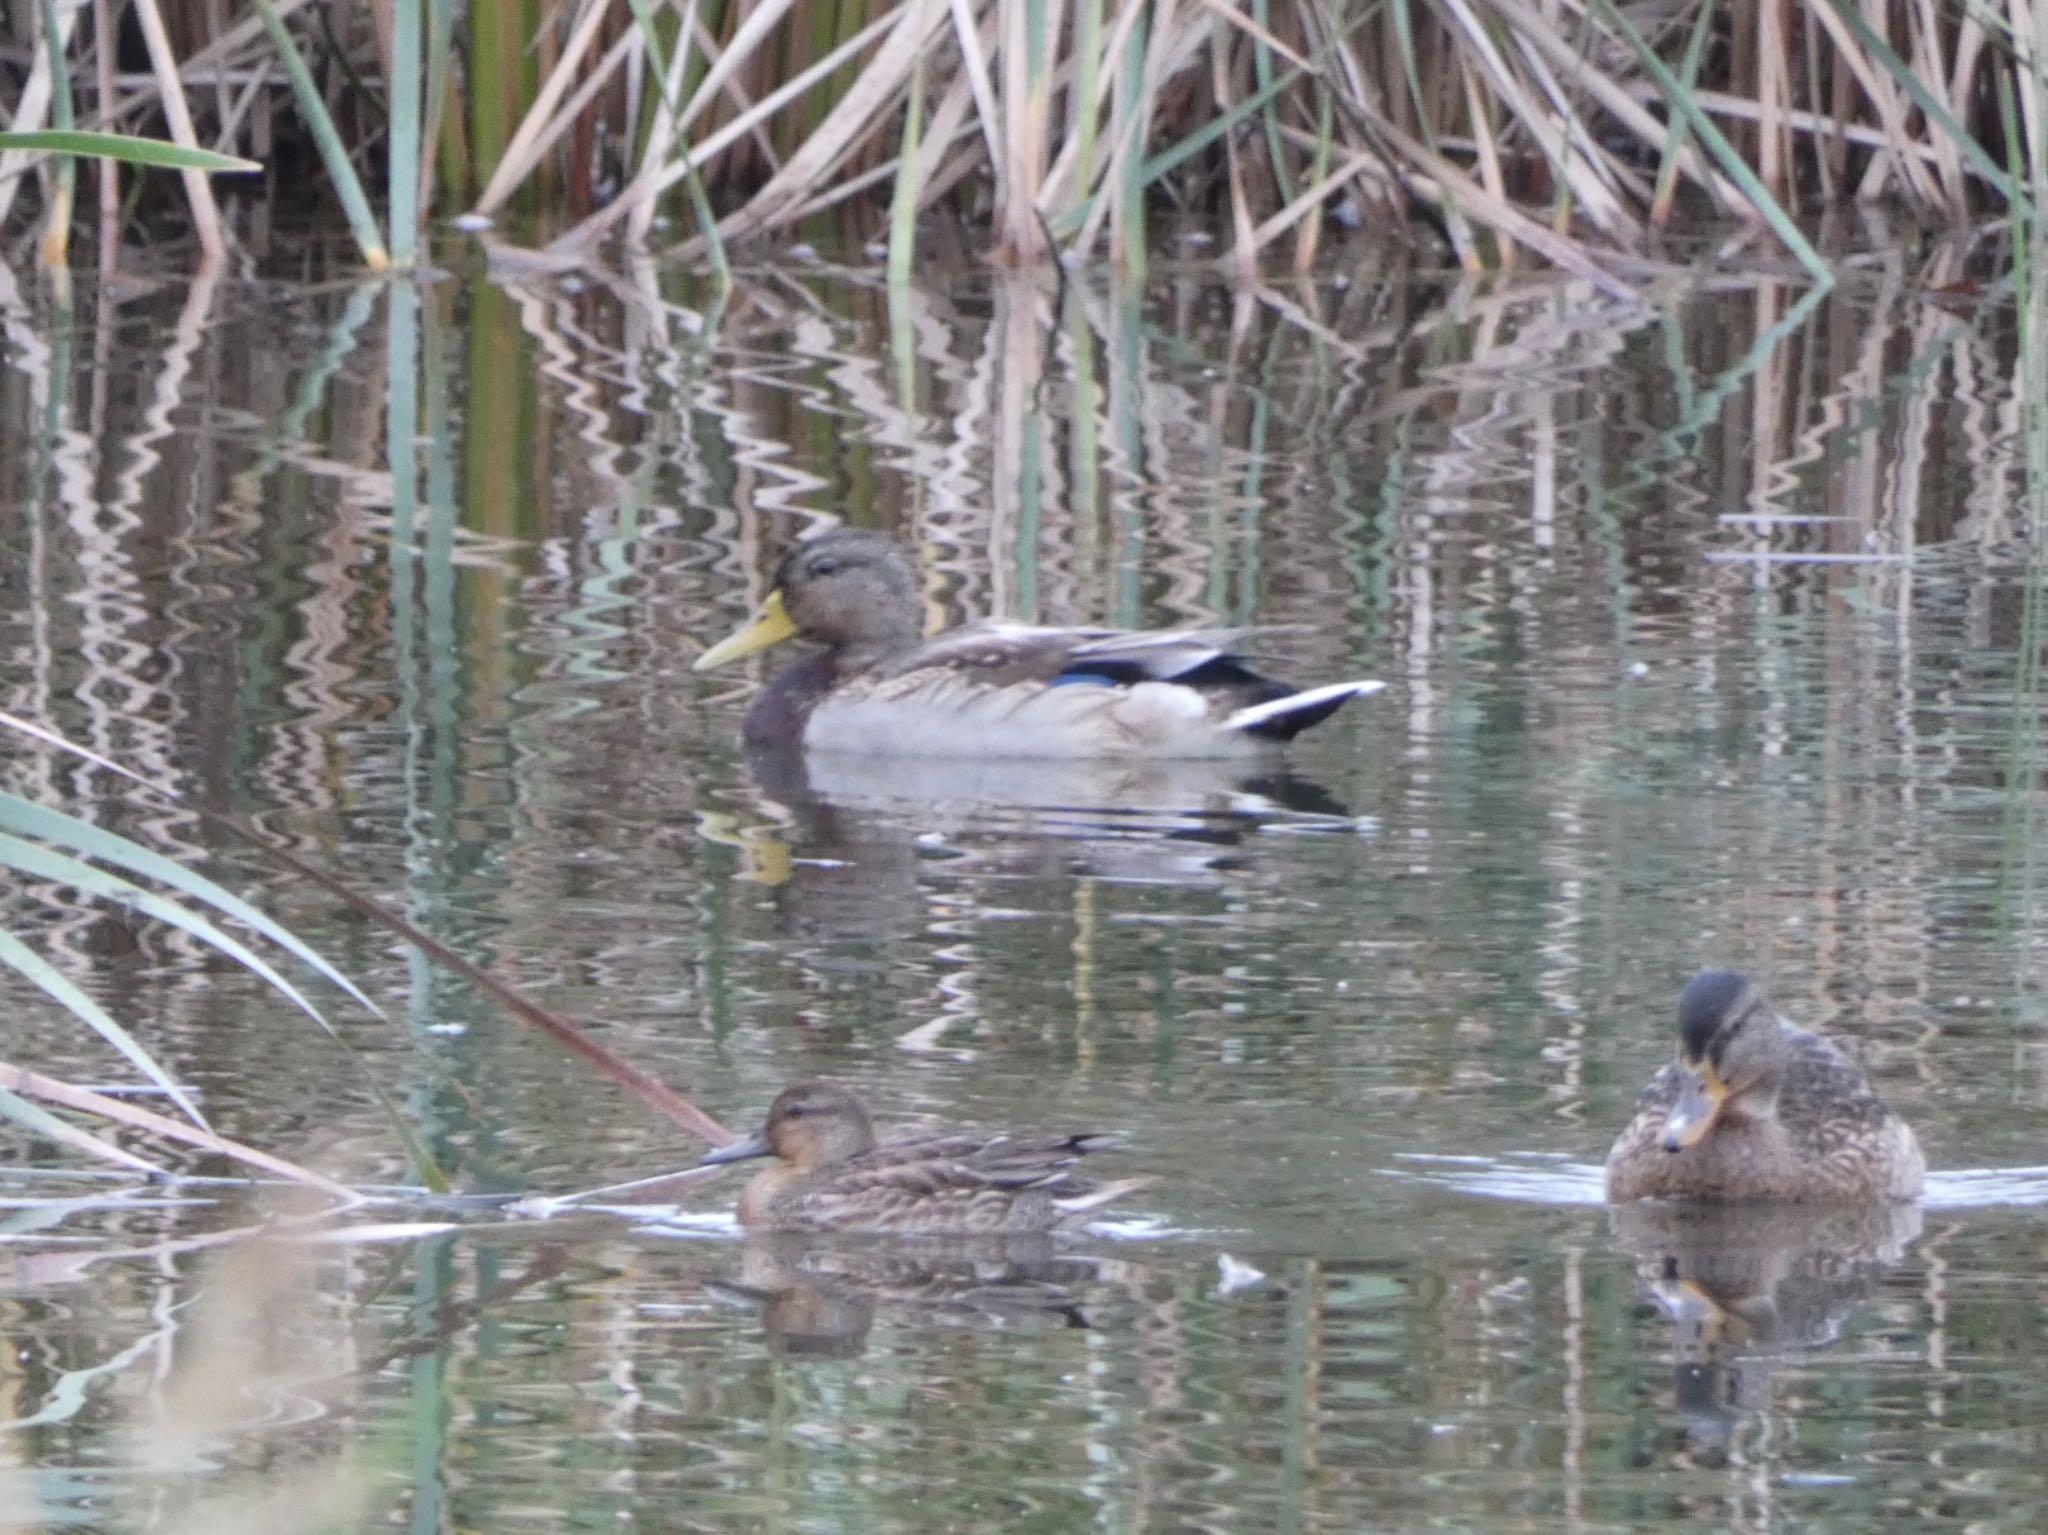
x=820, y=1297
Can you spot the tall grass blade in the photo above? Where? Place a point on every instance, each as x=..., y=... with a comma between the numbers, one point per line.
x=408, y=37
x=31, y=110
x=41, y=863
x=31, y=1084
x=59, y=988
x=39, y=1121
x=341, y=172
x=1724, y=153
x=28, y=819
x=1127, y=203
x=539, y=126
x=154, y=154
x=56, y=247
x=909, y=184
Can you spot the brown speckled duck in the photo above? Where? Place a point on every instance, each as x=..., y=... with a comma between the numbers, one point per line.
x=1755, y=1109
x=878, y=687
x=832, y=1174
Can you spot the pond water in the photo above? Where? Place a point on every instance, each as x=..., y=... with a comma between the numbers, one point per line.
x=1709, y=624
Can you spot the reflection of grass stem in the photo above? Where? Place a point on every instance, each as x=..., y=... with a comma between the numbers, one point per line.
x=2023, y=758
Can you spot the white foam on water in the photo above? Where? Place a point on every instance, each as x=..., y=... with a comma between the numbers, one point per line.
x=1535, y=1178
x=1532, y=1178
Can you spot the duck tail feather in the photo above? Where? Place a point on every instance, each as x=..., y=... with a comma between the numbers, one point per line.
x=1281, y=719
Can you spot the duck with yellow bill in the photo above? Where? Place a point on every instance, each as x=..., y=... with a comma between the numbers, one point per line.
x=1756, y=1109
x=876, y=686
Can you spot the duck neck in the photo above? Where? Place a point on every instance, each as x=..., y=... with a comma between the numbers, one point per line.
x=871, y=651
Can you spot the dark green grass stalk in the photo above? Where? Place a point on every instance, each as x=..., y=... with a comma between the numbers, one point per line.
x=1269, y=119
x=334, y=154
x=908, y=185
x=1724, y=153
x=408, y=40
x=501, y=76
x=1127, y=246
x=56, y=249
x=1681, y=132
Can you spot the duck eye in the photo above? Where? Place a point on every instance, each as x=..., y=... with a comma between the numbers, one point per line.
x=824, y=568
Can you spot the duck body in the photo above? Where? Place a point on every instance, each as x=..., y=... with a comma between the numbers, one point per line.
x=878, y=687
x=833, y=1175
x=1757, y=1110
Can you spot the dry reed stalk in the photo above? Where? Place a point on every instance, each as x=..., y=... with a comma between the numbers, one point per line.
x=880, y=85
x=109, y=177
x=519, y=156
x=754, y=31
x=1244, y=254
x=974, y=59
x=206, y=224
x=1618, y=100
x=1879, y=89
x=1029, y=29
x=48, y=1089
x=1948, y=162
x=1490, y=175
x=1773, y=89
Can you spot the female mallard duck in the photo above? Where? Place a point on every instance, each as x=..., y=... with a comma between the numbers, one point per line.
x=833, y=1176
x=880, y=688
x=1755, y=1109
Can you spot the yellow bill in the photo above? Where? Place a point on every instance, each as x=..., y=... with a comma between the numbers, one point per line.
x=1699, y=1105
x=771, y=626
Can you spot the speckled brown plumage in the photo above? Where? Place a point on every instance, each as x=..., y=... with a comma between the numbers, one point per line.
x=832, y=1175
x=1800, y=1122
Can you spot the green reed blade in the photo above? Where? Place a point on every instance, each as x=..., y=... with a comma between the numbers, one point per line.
x=403, y=160
x=341, y=172
x=1732, y=164
x=156, y=154
x=59, y=988
x=27, y=819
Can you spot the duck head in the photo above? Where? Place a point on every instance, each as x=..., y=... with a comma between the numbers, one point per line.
x=1732, y=1049
x=851, y=590
x=810, y=1125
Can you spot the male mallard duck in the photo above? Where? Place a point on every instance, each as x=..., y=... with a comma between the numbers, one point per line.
x=880, y=688
x=833, y=1176
x=1755, y=1109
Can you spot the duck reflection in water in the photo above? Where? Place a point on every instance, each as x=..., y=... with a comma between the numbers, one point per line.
x=1747, y=1285
x=854, y=837
x=819, y=1296
x=1762, y=1186
x=1144, y=757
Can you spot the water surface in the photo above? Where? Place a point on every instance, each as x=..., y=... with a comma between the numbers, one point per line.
x=1709, y=626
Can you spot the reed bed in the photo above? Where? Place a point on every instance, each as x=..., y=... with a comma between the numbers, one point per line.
x=1582, y=132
